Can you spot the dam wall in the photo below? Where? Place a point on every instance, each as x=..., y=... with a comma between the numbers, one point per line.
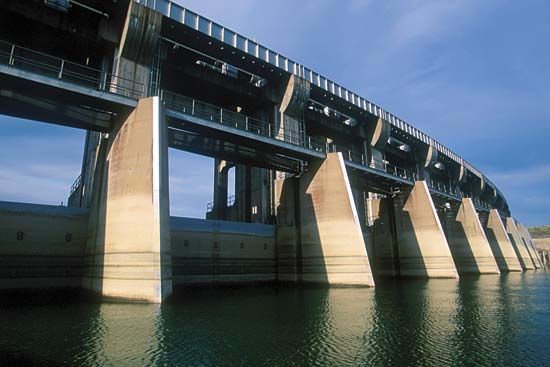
x=215, y=251
x=41, y=246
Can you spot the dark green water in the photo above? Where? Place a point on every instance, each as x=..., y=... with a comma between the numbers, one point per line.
x=483, y=321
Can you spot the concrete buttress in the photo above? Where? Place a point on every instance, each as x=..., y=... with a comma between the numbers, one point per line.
x=327, y=238
x=501, y=246
x=520, y=248
x=468, y=243
x=423, y=247
x=128, y=249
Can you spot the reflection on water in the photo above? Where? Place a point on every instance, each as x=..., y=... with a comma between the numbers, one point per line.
x=477, y=321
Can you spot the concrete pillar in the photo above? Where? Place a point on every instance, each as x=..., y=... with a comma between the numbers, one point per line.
x=138, y=45
x=128, y=248
x=500, y=243
x=529, y=244
x=221, y=169
x=519, y=247
x=289, y=249
x=385, y=253
x=327, y=237
x=422, y=245
x=468, y=243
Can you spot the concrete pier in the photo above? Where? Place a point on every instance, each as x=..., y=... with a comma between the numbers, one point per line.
x=519, y=247
x=327, y=237
x=128, y=251
x=524, y=234
x=423, y=247
x=500, y=243
x=470, y=248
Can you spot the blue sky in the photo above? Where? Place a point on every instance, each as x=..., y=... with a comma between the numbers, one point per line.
x=473, y=74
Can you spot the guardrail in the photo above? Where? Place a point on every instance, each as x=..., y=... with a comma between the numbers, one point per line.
x=190, y=106
x=57, y=68
x=444, y=188
x=230, y=202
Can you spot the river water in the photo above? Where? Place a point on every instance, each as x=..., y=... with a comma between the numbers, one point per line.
x=477, y=321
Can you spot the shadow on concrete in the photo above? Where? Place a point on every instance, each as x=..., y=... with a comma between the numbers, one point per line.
x=516, y=250
x=412, y=261
x=385, y=247
x=311, y=257
x=461, y=248
x=495, y=248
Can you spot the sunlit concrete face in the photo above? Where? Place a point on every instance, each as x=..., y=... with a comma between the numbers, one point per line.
x=323, y=234
x=423, y=247
x=129, y=252
x=468, y=243
x=500, y=243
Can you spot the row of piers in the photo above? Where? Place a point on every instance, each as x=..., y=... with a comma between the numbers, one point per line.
x=322, y=234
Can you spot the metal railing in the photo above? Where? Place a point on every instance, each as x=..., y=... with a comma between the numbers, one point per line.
x=444, y=188
x=230, y=202
x=193, y=107
x=57, y=68
x=76, y=185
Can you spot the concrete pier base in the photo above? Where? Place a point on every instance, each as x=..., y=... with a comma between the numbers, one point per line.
x=468, y=243
x=128, y=250
x=423, y=248
x=327, y=237
x=501, y=246
x=519, y=247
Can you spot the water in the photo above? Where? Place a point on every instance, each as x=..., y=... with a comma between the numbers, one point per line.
x=477, y=321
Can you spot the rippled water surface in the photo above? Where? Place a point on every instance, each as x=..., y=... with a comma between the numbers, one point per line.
x=479, y=321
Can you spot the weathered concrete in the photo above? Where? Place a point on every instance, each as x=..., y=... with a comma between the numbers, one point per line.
x=41, y=246
x=500, y=243
x=529, y=244
x=467, y=241
x=288, y=229
x=423, y=248
x=384, y=252
x=212, y=251
x=128, y=251
x=327, y=237
x=519, y=247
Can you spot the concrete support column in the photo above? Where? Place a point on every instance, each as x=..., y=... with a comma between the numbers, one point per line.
x=289, y=247
x=501, y=246
x=468, y=243
x=327, y=237
x=221, y=169
x=128, y=249
x=422, y=245
x=529, y=244
x=519, y=247
x=385, y=253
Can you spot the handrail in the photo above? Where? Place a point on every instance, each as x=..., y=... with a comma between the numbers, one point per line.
x=193, y=107
x=58, y=68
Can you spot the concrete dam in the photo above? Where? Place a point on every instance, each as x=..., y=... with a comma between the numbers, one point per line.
x=330, y=188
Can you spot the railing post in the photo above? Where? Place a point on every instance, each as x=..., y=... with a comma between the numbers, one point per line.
x=221, y=116
x=362, y=159
x=349, y=155
x=12, y=52
x=193, y=108
x=60, y=75
x=269, y=130
x=246, y=123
